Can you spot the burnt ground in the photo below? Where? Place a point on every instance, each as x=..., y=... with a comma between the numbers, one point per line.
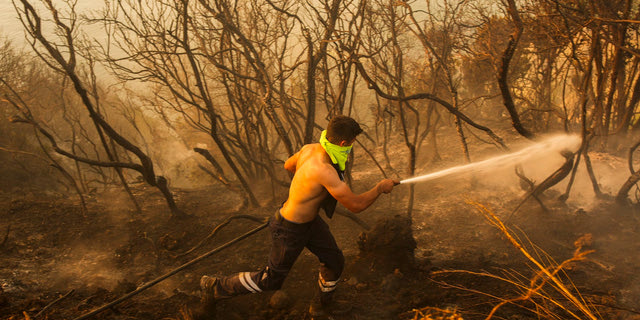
x=50, y=249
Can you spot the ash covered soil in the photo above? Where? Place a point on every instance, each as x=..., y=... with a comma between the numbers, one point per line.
x=50, y=252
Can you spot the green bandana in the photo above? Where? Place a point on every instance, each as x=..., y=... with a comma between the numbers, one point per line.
x=337, y=153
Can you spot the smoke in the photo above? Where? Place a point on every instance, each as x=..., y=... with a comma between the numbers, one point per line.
x=180, y=166
x=86, y=266
x=610, y=172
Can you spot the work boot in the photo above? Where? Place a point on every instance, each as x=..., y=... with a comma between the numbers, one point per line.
x=208, y=291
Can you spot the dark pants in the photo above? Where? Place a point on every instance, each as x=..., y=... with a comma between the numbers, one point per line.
x=288, y=239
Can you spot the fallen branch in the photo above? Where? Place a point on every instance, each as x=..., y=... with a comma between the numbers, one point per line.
x=550, y=181
x=47, y=307
x=531, y=186
x=171, y=273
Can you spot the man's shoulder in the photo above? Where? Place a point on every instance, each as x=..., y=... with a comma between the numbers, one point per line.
x=323, y=171
x=313, y=159
x=317, y=165
x=312, y=151
x=310, y=147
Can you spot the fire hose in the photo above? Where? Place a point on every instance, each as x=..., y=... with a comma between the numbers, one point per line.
x=173, y=272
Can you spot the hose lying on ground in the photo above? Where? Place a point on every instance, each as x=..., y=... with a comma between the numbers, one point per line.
x=173, y=272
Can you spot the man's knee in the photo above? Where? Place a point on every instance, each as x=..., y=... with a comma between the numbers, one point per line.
x=272, y=279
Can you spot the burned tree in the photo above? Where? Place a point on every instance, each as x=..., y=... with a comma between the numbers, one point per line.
x=232, y=69
x=388, y=76
x=623, y=193
x=63, y=57
x=503, y=71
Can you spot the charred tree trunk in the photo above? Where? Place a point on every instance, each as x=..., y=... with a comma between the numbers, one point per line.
x=592, y=176
x=311, y=90
x=622, y=196
x=243, y=182
x=127, y=189
x=28, y=119
x=204, y=95
x=223, y=15
x=460, y=131
x=586, y=136
x=503, y=73
x=220, y=175
x=32, y=22
x=110, y=150
x=617, y=77
x=74, y=184
x=626, y=120
x=313, y=60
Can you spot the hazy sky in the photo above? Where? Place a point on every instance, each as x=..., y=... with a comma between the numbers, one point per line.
x=9, y=24
x=11, y=27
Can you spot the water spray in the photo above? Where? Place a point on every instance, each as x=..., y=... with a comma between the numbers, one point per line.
x=554, y=144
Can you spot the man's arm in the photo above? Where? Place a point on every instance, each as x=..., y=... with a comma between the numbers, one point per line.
x=353, y=202
x=291, y=163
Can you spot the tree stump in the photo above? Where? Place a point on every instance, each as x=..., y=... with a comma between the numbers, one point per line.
x=388, y=246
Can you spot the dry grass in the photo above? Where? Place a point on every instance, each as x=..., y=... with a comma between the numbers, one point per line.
x=431, y=313
x=549, y=293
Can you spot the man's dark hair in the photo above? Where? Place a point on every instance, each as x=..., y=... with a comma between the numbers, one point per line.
x=342, y=128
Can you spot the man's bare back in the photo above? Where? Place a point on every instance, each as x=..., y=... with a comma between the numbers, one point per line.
x=306, y=192
x=313, y=177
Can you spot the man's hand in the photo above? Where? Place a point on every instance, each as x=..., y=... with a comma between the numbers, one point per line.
x=386, y=185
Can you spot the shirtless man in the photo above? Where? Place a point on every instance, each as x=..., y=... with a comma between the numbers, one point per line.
x=317, y=181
